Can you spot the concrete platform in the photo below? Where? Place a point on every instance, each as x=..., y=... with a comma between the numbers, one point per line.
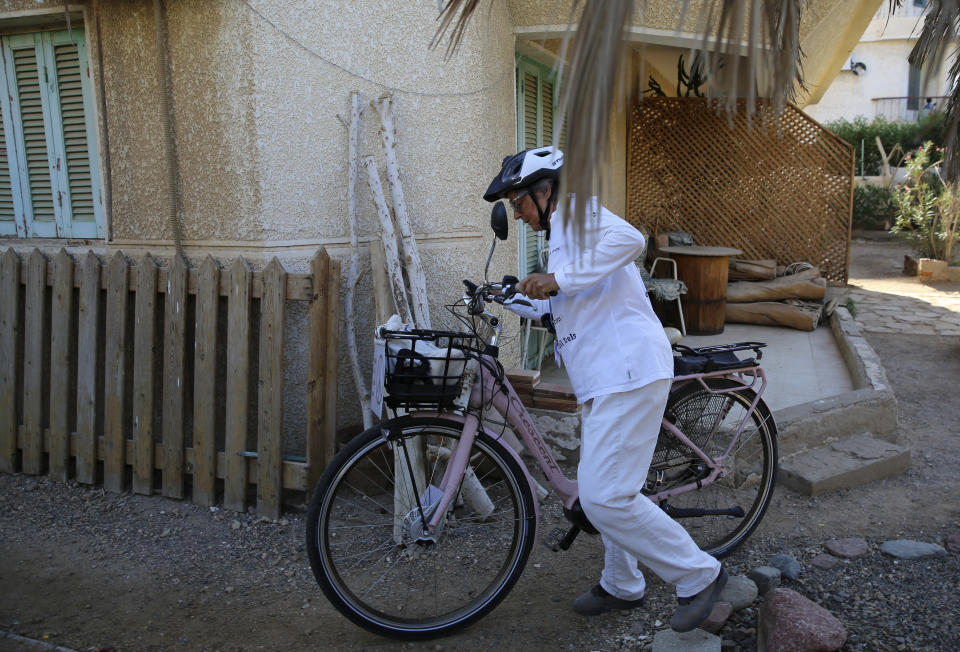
x=822, y=385
x=800, y=366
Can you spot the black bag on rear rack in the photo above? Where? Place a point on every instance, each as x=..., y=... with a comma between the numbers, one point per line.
x=687, y=360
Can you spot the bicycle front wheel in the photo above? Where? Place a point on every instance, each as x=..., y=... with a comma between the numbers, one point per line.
x=364, y=530
x=719, y=516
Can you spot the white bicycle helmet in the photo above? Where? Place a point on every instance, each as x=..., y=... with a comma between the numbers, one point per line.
x=523, y=169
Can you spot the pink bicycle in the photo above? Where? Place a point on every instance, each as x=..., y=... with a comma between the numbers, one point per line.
x=422, y=524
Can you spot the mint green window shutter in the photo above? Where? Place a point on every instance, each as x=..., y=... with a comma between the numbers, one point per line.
x=55, y=184
x=536, y=106
x=8, y=217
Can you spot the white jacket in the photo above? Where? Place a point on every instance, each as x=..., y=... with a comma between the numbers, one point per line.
x=608, y=336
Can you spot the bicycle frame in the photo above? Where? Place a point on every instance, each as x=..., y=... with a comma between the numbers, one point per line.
x=488, y=392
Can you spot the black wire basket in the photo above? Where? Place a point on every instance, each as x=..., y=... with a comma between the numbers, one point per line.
x=424, y=367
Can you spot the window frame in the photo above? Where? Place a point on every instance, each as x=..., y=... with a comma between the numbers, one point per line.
x=44, y=43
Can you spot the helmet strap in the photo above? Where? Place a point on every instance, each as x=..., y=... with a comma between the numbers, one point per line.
x=544, y=214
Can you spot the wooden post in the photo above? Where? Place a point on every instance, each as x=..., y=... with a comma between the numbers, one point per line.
x=9, y=358
x=331, y=366
x=60, y=336
x=205, y=385
x=408, y=244
x=88, y=317
x=115, y=438
x=173, y=345
x=143, y=334
x=238, y=386
x=323, y=296
x=35, y=334
x=270, y=400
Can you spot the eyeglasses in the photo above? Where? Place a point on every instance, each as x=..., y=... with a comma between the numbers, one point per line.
x=516, y=200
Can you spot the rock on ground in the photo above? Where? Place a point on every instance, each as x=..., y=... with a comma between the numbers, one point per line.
x=718, y=617
x=667, y=640
x=789, y=622
x=826, y=562
x=740, y=592
x=789, y=567
x=766, y=578
x=847, y=548
x=906, y=549
x=952, y=542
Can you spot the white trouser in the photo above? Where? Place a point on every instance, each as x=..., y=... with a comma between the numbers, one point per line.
x=619, y=435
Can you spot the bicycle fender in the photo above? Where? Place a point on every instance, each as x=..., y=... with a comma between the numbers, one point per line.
x=505, y=448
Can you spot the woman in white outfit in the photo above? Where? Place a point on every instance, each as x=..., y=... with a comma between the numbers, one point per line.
x=620, y=365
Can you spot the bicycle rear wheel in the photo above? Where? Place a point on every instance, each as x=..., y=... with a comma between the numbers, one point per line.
x=719, y=516
x=362, y=535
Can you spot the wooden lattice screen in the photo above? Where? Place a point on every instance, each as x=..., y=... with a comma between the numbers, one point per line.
x=780, y=189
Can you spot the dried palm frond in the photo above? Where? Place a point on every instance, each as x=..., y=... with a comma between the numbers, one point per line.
x=768, y=33
x=941, y=30
x=447, y=14
x=597, y=59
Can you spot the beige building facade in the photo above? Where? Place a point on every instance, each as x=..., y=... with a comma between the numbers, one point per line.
x=257, y=93
x=877, y=80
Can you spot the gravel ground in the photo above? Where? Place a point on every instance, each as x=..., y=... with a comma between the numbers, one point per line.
x=94, y=571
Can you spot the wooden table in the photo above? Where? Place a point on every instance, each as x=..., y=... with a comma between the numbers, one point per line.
x=704, y=270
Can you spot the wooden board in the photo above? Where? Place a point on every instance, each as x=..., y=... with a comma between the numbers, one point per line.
x=87, y=320
x=316, y=365
x=60, y=336
x=205, y=385
x=143, y=335
x=115, y=374
x=9, y=358
x=270, y=400
x=332, y=349
x=175, y=308
x=34, y=337
x=238, y=391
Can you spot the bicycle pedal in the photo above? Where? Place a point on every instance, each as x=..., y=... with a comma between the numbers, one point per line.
x=553, y=540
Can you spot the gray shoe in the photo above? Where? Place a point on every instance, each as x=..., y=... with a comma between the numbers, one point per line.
x=597, y=601
x=696, y=609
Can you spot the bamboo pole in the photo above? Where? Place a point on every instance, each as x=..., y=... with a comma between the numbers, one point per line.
x=353, y=271
x=408, y=244
x=389, y=239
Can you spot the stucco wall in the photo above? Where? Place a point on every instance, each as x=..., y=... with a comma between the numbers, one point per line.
x=262, y=153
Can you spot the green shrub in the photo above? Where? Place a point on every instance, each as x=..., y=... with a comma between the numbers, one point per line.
x=928, y=212
x=909, y=135
x=873, y=208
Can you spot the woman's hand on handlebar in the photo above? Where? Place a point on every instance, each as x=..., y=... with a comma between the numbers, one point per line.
x=538, y=286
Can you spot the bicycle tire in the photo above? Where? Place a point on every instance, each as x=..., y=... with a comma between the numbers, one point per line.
x=707, y=418
x=406, y=589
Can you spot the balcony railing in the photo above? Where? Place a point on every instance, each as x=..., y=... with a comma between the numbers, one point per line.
x=908, y=9
x=907, y=108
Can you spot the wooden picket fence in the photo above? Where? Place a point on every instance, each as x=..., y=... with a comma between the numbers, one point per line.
x=94, y=357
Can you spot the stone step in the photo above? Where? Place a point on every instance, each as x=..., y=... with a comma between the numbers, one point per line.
x=846, y=463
